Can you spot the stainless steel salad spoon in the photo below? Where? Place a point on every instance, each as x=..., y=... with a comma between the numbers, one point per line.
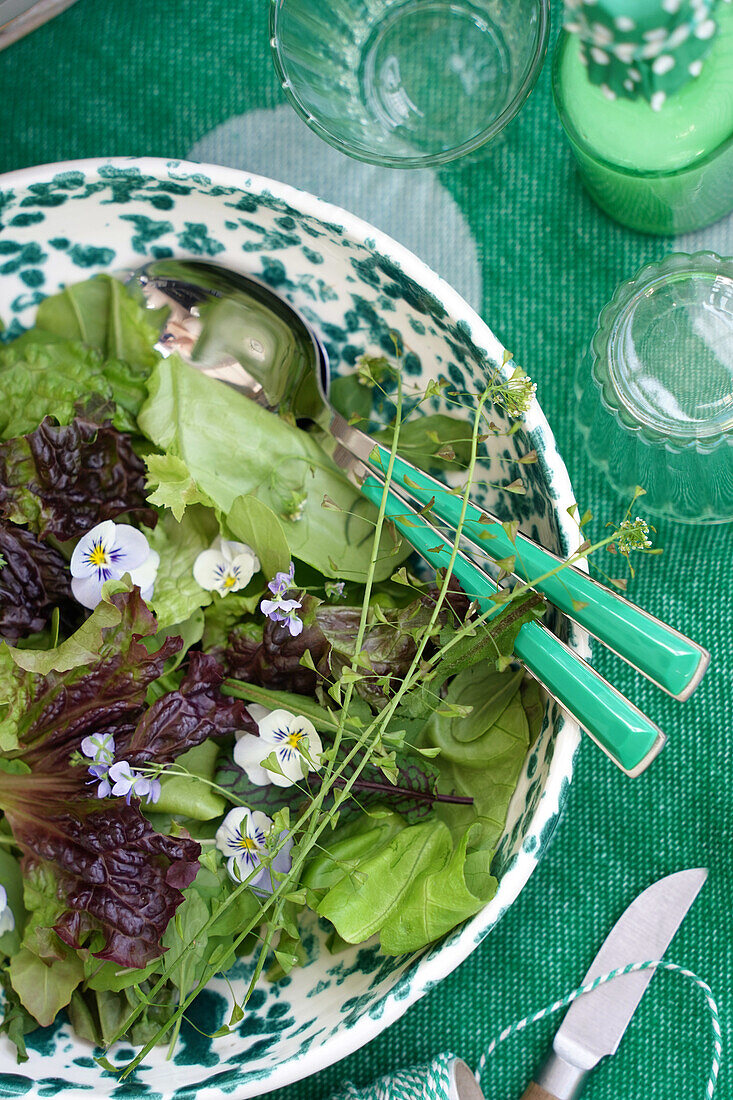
x=233, y=328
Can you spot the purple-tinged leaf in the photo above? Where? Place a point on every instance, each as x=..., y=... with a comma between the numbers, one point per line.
x=33, y=580
x=182, y=719
x=115, y=873
x=62, y=480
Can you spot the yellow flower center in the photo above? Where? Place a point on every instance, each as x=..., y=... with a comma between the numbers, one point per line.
x=230, y=580
x=294, y=739
x=247, y=844
x=98, y=555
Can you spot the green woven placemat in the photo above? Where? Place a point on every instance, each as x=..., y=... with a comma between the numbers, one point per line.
x=112, y=78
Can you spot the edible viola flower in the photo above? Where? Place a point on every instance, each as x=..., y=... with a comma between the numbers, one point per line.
x=7, y=920
x=284, y=611
x=124, y=780
x=109, y=551
x=242, y=837
x=226, y=566
x=281, y=584
x=284, y=734
x=99, y=748
x=281, y=610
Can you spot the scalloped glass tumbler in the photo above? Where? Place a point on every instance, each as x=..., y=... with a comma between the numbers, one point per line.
x=655, y=390
x=408, y=83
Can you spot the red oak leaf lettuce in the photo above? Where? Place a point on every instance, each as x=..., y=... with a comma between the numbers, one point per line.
x=34, y=579
x=116, y=875
x=62, y=480
x=329, y=635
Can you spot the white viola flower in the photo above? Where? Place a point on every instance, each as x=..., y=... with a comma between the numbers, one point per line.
x=125, y=781
x=226, y=566
x=7, y=920
x=99, y=748
x=107, y=552
x=241, y=838
x=284, y=734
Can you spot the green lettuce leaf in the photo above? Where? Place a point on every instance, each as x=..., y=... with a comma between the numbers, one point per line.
x=82, y=648
x=102, y=314
x=176, y=594
x=45, y=986
x=253, y=523
x=232, y=447
x=224, y=613
x=485, y=768
x=192, y=795
x=92, y=338
x=171, y=486
x=404, y=883
x=48, y=377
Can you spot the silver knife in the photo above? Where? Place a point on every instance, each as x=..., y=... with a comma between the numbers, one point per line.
x=594, y=1025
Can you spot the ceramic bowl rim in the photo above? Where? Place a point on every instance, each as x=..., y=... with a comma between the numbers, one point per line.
x=425, y=971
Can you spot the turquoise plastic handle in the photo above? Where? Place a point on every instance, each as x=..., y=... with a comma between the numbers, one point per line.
x=673, y=662
x=620, y=729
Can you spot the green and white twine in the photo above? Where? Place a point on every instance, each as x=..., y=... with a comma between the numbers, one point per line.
x=436, y=1081
x=581, y=990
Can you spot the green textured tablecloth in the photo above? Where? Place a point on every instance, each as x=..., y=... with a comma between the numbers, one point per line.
x=181, y=78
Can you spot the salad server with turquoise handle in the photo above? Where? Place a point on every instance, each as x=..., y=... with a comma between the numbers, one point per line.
x=664, y=655
x=242, y=332
x=619, y=728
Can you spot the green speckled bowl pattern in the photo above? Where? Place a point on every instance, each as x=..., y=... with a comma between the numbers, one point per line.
x=61, y=223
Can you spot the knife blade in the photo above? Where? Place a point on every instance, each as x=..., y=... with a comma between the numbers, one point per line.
x=595, y=1024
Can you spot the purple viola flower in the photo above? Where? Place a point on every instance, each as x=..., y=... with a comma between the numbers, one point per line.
x=281, y=610
x=126, y=781
x=100, y=749
x=282, y=582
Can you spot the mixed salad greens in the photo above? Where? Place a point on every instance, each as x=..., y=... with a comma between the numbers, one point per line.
x=228, y=694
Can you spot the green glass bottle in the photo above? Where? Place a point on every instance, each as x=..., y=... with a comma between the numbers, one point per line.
x=644, y=90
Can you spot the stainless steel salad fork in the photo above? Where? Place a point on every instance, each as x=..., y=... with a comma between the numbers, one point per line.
x=235, y=329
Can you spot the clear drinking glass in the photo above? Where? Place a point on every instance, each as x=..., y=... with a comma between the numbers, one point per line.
x=655, y=391
x=408, y=83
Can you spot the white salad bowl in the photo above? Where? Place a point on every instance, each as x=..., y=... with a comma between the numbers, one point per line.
x=62, y=223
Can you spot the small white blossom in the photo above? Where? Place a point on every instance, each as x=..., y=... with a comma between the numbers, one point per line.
x=7, y=920
x=634, y=535
x=125, y=781
x=284, y=734
x=107, y=552
x=226, y=566
x=242, y=837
